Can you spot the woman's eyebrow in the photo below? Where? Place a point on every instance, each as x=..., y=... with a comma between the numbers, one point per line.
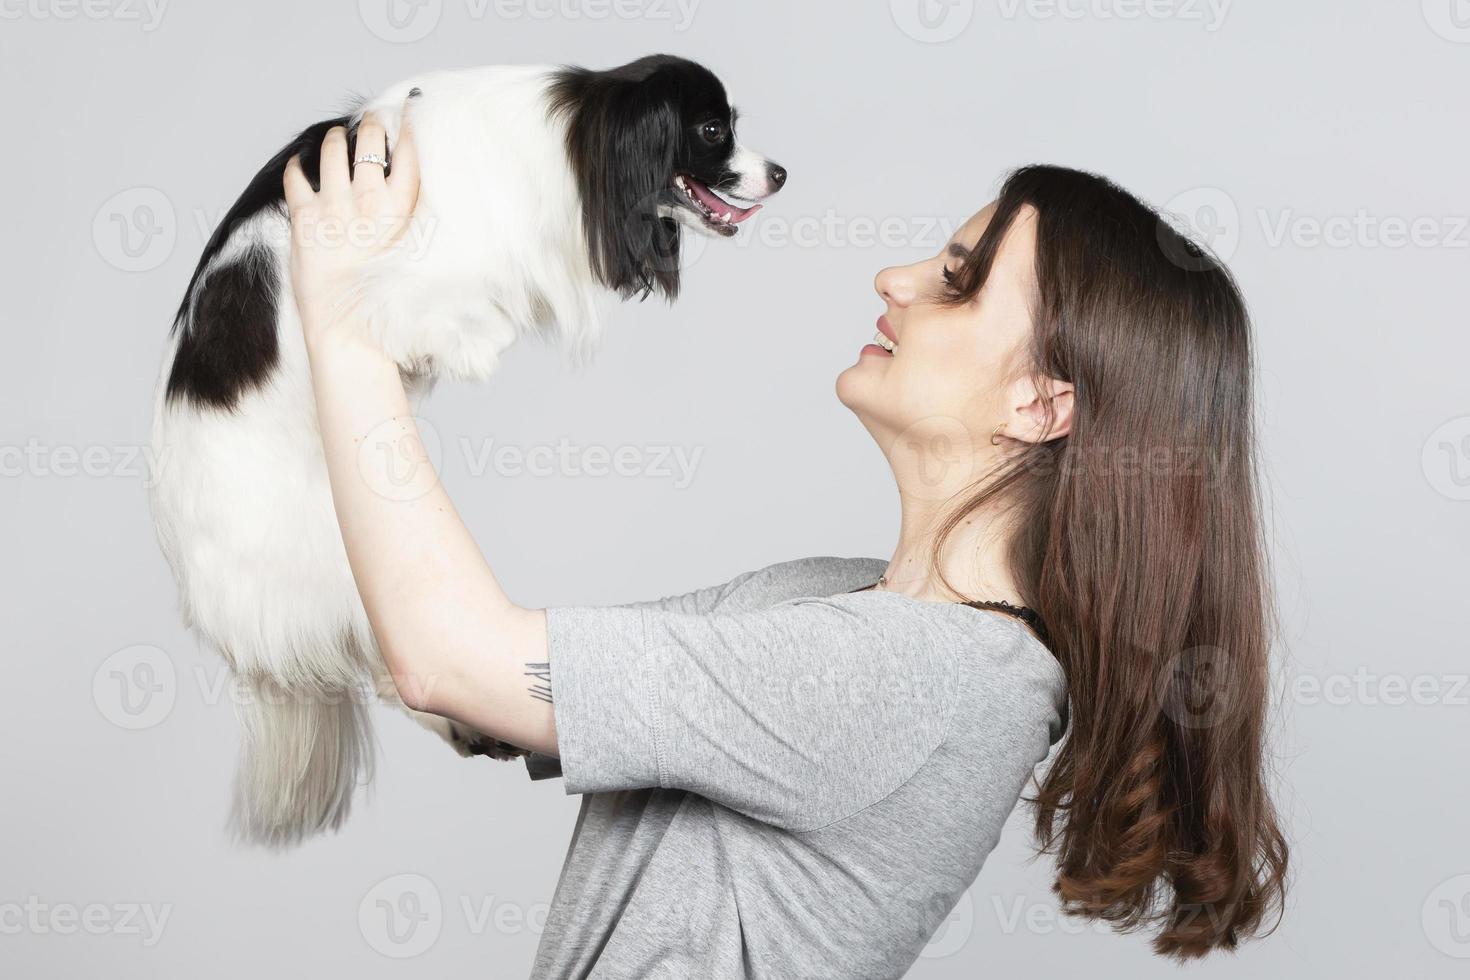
x=957, y=251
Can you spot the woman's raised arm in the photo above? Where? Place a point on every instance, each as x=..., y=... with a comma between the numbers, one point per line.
x=454, y=642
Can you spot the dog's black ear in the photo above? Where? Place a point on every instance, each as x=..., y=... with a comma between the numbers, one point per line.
x=622, y=140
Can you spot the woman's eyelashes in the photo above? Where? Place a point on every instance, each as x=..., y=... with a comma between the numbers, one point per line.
x=949, y=278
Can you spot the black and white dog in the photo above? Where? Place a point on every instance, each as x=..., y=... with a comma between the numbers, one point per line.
x=545, y=192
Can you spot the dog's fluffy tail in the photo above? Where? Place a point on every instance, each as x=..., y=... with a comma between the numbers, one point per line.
x=302, y=756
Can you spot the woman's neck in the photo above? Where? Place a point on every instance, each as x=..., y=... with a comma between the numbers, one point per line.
x=974, y=561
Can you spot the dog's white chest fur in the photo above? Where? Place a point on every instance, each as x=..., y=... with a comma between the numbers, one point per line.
x=496, y=245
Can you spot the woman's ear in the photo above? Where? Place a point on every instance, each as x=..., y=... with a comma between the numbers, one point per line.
x=1043, y=410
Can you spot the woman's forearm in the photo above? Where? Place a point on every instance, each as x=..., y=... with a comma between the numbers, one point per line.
x=454, y=642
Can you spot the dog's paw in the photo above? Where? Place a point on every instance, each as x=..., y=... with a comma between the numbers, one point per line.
x=468, y=742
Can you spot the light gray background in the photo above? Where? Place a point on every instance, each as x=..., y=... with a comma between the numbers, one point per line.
x=1261, y=127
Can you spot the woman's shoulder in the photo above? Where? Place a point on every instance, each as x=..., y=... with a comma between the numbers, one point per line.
x=999, y=660
x=762, y=588
x=800, y=578
x=820, y=575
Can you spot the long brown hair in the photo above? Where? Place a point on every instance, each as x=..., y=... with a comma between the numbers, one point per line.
x=1139, y=541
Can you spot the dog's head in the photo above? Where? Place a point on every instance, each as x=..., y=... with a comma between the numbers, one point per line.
x=653, y=146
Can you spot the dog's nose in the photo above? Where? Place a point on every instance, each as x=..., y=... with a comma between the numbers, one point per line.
x=777, y=173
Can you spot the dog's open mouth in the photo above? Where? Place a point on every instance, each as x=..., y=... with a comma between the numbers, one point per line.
x=720, y=215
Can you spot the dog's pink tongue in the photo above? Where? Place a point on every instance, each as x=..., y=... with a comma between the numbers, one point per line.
x=738, y=215
x=712, y=201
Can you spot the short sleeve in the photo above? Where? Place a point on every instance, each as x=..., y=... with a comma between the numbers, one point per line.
x=796, y=715
x=700, y=601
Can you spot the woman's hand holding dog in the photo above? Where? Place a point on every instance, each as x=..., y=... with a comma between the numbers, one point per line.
x=359, y=214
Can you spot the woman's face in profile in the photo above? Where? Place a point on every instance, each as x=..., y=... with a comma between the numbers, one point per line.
x=951, y=365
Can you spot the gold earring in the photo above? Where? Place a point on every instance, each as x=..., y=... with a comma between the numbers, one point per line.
x=995, y=436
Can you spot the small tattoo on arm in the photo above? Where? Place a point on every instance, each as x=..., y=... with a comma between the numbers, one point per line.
x=541, y=689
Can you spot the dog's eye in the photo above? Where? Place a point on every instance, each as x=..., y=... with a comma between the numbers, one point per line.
x=714, y=132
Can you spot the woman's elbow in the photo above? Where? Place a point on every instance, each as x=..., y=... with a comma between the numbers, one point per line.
x=447, y=666
x=415, y=679
x=416, y=690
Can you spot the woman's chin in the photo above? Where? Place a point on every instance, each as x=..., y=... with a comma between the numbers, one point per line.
x=860, y=390
x=866, y=370
x=852, y=386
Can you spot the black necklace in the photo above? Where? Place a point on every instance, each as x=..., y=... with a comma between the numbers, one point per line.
x=1025, y=614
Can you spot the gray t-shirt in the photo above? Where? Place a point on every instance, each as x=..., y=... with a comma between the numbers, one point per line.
x=783, y=780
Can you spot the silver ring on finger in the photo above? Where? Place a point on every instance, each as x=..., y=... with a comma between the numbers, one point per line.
x=372, y=158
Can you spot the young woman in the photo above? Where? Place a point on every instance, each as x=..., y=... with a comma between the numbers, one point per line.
x=799, y=772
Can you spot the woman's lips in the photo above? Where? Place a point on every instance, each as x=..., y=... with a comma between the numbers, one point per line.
x=886, y=329
x=886, y=338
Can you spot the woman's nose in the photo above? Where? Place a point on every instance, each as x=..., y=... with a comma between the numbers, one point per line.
x=895, y=285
